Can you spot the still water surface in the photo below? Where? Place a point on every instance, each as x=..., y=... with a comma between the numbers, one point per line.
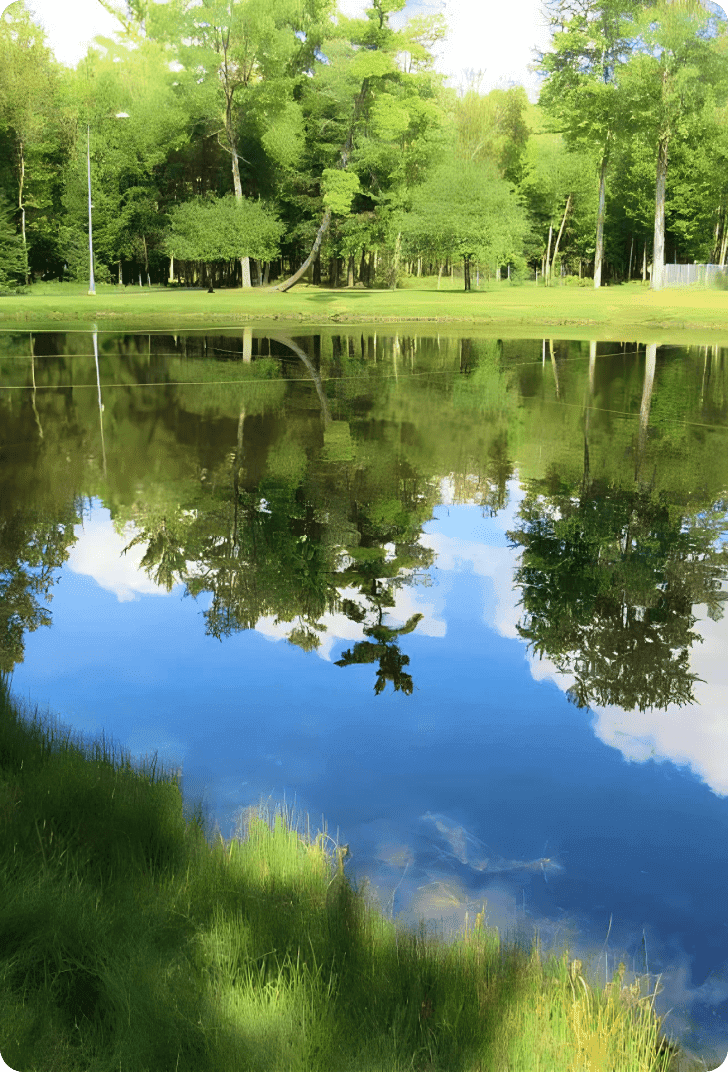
x=462, y=597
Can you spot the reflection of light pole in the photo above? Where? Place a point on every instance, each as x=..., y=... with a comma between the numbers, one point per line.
x=91, y=284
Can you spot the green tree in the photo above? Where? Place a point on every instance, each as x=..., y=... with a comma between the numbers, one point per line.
x=670, y=88
x=580, y=92
x=493, y=127
x=27, y=94
x=372, y=113
x=222, y=229
x=466, y=210
x=239, y=47
x=124, y=152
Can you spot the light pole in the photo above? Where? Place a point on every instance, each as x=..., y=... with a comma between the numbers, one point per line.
x=91, y=283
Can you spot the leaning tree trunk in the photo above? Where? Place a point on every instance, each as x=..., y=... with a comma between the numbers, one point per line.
x=326, y=221
x=561, y=231
x=546, y=267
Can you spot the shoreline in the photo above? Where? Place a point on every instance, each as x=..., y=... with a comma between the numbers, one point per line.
x=630, y=311
x=145, y=867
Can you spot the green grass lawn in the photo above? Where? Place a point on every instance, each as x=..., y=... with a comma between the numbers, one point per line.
x=631, y=311
x=131, y=939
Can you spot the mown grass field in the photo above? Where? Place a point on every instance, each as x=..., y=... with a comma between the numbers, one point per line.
x=631, y=311
x=132, y=939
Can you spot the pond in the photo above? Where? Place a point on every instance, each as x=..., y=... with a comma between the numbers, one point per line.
x=461, y=598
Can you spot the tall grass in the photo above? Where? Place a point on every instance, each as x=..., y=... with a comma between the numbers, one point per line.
x=133, y=938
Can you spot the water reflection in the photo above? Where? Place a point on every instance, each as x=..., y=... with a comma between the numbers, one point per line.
x=297, y=488
x=294, y=519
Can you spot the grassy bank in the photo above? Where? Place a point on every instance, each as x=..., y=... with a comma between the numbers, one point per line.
x=132, y=939
x=631, y=311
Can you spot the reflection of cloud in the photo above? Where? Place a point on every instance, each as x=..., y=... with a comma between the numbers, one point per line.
x=97, y=553
x=410, y=879
x=694, y=736
x=407, y=602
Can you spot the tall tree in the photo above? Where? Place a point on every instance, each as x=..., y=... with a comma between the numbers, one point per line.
x=591, y=40
x=27, y=92
x=238, y=47
x=670, y=86
x=386, y=114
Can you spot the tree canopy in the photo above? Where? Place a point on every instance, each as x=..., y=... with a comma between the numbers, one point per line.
x=364, y=165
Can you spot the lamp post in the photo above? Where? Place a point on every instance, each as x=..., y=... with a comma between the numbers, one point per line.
x=91, y=283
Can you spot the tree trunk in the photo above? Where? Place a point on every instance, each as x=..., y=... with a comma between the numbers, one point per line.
x=244, y=261
x=146, y=259
x=724, y=243
x=547, y=262
x=439, y=274
x=658, y=254
x=629, y=268
x=317, y=269
x=21, y=206
x=561, y=230
x=395, y=260
x=647, y=384
x=466, y=270
x=350, y=271
x=716, y=239
x=265, y=273
x=363, y=267
x=644, y=263
x=601, y=211
x=334, y=272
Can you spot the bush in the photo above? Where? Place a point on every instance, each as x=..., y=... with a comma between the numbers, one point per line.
x=574, y=281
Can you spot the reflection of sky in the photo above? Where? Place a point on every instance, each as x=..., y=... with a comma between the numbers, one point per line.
x=631, y=806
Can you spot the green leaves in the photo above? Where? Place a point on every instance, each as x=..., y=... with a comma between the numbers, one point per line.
x=465, y=209
x=369, y=64
x=223, y=229
x=12, y=254
x=339, y=188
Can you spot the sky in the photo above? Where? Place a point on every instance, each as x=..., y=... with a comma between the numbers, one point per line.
x=486, y=36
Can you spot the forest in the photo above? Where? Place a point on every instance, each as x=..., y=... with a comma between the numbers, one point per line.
x=238, y=143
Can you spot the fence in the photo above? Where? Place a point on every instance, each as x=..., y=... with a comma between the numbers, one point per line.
x=682, y=275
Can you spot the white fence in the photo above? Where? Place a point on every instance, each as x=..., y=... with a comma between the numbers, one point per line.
x=682, y=275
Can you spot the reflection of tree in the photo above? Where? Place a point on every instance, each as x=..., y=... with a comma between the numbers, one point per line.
x=609, y=576
x=385, y=649
x=269, y=535
x=31, y=548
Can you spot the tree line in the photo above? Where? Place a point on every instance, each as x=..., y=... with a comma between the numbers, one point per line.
x=259, y=142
